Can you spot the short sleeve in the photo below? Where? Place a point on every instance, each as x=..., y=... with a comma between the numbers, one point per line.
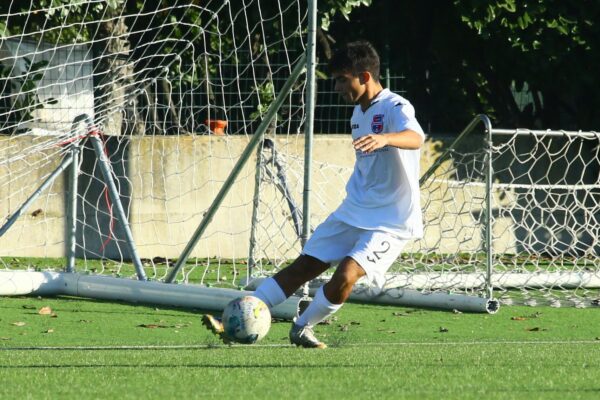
x=402, y=117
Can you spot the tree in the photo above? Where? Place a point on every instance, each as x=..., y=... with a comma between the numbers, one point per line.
x=552, y=47
x=470, y=57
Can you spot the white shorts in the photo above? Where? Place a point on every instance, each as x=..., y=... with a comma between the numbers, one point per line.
x=373, y=250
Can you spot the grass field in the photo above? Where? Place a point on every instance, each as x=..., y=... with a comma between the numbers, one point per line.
x=95, y=349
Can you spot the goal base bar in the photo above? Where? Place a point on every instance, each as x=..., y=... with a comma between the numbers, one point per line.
x=410, y=298
x=25, y=283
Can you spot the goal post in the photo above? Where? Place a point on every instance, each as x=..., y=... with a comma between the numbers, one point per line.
x=206, y=117
x=181, y=92
x=511, y=212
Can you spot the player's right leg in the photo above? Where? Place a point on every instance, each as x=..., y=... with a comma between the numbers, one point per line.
x=372, y=254
x=330, y=242
x=275, y=290
x=215, y=325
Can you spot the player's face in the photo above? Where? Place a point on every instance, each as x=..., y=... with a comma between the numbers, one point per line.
x=348, y=86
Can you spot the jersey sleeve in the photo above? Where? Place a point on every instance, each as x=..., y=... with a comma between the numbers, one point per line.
x=403, y=117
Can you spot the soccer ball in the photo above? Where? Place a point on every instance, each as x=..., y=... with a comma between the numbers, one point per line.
x=246, y=320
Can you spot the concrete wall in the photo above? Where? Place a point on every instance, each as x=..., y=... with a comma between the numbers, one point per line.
x=168, y=183
x=40, y=231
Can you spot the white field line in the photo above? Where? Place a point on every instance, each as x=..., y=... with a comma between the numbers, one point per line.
x=262, y=346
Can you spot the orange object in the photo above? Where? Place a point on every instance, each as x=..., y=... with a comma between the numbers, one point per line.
x=217, y=126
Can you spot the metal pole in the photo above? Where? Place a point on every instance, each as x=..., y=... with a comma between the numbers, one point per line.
x=488, y=205
x=311, y=51
x=63, y=165
x=479, y=118
x=72, y=209
x=255, y=205
x=310, y=113
x=116, y=199
x=256, y=138
x=281, y=184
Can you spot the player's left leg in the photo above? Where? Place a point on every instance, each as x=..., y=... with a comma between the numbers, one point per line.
x=328, y=299
x=372, y=255
x=330, y=242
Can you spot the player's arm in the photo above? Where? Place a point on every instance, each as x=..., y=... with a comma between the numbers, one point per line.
x=406, y=139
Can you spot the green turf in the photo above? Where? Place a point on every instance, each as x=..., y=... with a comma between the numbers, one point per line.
x=375, y=352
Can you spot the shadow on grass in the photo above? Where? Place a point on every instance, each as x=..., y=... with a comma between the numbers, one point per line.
x=149, y=309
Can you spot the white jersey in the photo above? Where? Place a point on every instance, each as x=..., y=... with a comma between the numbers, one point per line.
x=383, y=191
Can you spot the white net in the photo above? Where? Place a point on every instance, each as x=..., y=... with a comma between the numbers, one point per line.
x=545, y=217
x=174, y=89
x=543, y=220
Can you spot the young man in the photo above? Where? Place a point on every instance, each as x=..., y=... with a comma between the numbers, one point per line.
x=381, y=211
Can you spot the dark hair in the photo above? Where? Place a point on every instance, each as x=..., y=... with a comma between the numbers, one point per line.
x=356, y=57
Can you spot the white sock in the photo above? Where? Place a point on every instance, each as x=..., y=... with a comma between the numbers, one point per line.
x=318, y=309
x=270, y=292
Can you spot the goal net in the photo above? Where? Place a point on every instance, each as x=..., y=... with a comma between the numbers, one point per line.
x=174, y=90
x=120, y=122
x=515, y=211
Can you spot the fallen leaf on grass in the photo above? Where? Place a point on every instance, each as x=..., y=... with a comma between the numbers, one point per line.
x=519, y=319
x=152, y=326
x=19, y=323
x=535, y=329
x=45, y=311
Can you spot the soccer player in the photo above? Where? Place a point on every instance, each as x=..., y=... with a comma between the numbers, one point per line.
x=381, y=212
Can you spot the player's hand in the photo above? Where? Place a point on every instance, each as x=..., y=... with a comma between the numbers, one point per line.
x=370, y=143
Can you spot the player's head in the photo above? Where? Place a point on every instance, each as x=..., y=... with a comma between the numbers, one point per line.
x=356, y=57
x=353, y=66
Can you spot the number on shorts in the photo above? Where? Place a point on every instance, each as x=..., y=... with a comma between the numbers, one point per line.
x=385, y=248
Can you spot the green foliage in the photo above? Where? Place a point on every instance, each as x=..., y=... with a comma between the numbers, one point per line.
x=525, y=63
x=460, y=58
x=266, y=94
x=549, y=45
x=72, y=15
x=343, y=7
x=4, y=32
x=527, y=25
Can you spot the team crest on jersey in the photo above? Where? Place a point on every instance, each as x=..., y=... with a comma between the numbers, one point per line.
x=377, y=124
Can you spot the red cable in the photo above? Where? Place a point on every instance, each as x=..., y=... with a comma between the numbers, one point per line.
x=106, y=196
x=96, y=132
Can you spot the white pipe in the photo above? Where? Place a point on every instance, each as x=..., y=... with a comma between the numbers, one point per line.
x=416, y=298
x=22, y=283
x=410, y=298
x=508, y=280
x=13, y=283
